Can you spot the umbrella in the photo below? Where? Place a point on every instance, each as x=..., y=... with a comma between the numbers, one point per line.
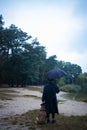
x=55, y=73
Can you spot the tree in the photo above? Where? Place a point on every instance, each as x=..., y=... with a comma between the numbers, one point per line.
x=35, y=56
x=23, y=60
x=1, y=22
x=73, y=71
x=1, y=42
x=11, y=51
x=82, y=81
x=51, y=63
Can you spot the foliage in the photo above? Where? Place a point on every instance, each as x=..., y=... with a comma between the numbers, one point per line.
x=71, y=88
x=73, y=71
x=62, y=81
x=1, y=22
x=76, y=96
x=23, y=60
x=82, y=81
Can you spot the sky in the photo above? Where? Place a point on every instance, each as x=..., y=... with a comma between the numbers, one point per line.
x=59, y=25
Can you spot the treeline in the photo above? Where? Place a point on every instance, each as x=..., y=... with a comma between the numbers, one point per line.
x=23, y=61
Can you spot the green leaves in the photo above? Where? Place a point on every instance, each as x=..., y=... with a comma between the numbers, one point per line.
x=23, y=60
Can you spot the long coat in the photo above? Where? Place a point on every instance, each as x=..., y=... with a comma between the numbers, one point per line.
x=49, y=97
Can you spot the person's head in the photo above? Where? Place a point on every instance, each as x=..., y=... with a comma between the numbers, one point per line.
x=51, y=80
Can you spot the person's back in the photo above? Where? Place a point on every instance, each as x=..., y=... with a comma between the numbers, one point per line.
x=49, y=96
x=50, y=91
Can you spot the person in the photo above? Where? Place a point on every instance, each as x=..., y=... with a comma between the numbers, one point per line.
x=49, y=97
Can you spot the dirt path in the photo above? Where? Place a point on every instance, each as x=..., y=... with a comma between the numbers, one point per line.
x=24, y=103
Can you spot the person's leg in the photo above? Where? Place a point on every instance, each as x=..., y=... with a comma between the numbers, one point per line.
x=53, y=118
x=48, y=117
x=53, y=115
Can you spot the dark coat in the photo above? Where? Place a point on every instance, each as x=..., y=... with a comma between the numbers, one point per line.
x=49, y=97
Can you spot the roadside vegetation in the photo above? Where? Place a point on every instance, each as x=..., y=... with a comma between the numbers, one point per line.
x=76, y=96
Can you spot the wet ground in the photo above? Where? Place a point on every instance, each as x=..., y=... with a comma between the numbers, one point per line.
x=26, y=100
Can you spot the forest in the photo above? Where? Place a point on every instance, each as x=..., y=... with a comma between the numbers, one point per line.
x=24, y=61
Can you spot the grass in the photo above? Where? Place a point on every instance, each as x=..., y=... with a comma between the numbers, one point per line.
x=36, y=88
x=27, y=120
x=32, y=96
x=76, y=96
x=8, y=91
x=5, y=96
x=71, y=88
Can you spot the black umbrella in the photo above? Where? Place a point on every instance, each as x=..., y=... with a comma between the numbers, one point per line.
x=55, y=74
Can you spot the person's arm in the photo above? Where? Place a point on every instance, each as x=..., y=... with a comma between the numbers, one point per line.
x=43, y=96
x=57, y=89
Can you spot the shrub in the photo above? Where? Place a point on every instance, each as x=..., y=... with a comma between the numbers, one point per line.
x=82, y=81
x=71, y=88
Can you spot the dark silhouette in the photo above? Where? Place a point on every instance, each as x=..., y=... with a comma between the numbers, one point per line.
x=49, y=97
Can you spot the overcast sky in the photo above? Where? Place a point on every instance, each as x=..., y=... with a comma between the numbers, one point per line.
x=59, y=25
